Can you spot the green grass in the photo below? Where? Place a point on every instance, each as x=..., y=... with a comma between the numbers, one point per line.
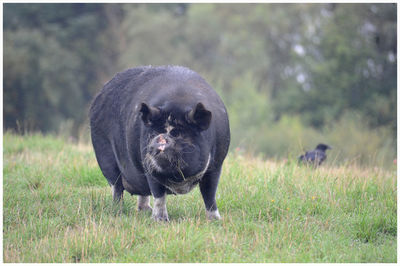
x=58, y=208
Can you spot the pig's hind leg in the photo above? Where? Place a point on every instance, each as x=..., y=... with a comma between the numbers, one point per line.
x=144, y=203
x=108, y=165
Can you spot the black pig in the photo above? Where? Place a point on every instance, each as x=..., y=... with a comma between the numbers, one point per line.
x=157, y=131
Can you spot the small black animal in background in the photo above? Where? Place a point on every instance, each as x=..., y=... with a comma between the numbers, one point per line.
x=315, y=157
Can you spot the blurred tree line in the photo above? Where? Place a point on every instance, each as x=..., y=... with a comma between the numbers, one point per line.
x=290, y=74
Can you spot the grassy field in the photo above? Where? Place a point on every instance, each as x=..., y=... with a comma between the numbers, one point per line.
x=57, y=207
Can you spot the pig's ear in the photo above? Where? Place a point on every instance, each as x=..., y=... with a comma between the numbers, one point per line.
x=199, y=116
x=149, y=114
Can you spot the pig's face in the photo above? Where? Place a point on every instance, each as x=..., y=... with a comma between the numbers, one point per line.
x=174, y=147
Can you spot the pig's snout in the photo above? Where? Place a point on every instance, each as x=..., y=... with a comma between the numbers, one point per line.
x=162, y=142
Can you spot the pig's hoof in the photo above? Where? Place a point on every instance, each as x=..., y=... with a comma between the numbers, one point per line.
x=145, y=208
x=160, y=218
x=213, y=215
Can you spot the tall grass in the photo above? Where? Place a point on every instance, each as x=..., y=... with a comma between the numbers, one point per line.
x=58, y=208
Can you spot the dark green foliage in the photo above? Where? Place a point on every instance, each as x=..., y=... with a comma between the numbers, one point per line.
x=290, y=74
x=55, y=60
x=354, y=68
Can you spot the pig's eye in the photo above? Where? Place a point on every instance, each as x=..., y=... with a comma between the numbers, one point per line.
x=174, y=132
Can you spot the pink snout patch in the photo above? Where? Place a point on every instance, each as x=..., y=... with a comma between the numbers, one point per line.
x=162, y=141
